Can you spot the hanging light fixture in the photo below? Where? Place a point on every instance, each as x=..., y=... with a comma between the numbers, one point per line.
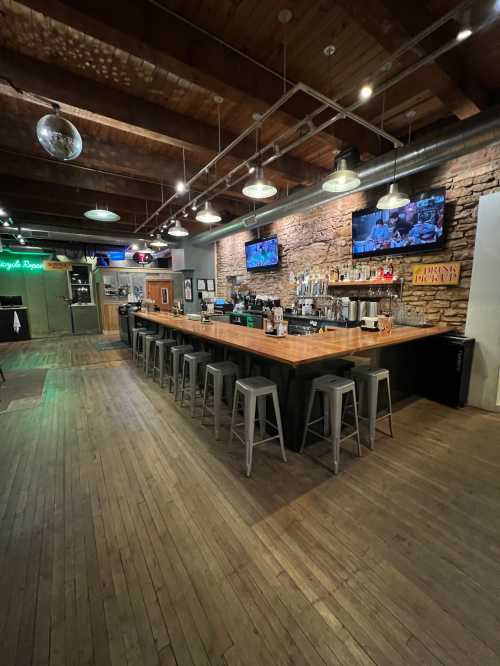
x=259, y=187
x=208, y=214
x=159, y=242
x=394, y=198
x=102, y=215
x=178, y=230
x=465, y=27
x=58, y=136
x=342, y=179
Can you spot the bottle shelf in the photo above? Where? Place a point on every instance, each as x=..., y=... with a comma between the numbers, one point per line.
x=364, y=283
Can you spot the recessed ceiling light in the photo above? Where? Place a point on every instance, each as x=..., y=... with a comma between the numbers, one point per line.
x=366, y=92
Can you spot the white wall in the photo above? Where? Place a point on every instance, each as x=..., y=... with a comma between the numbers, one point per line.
x=483, y=314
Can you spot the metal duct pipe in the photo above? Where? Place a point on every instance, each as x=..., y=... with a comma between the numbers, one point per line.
x=465, y=137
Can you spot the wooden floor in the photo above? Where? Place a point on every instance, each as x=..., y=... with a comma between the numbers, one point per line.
x=129, y=536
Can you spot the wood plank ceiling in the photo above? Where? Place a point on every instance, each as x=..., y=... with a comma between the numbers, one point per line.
x=139, y=82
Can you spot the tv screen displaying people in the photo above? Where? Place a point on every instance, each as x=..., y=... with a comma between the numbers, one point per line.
x=417, y=226
x=262, y=254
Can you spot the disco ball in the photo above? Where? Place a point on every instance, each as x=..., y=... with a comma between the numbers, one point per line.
x=59, y=137
x=143, y=257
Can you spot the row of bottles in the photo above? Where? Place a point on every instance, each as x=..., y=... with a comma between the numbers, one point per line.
x=362, y=272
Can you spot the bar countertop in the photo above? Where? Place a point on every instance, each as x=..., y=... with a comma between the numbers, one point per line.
x=294, y=350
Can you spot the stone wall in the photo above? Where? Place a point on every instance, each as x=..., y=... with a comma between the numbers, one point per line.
x=320, y=238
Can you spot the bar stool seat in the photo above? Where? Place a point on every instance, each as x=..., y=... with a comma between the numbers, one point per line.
x=254, y=391
x=368, y=382
x=160, y=357
x=192, y=364
x=220, y=372
x=333, y=390
x=175, y=358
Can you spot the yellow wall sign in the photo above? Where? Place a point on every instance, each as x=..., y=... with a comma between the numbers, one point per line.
x=57, y=266
x=444, y=273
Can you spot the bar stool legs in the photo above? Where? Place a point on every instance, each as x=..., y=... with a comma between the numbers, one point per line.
x=335, y=393
x=254, y=390
x=194, y=362
x=369, y=382
x=223, y=374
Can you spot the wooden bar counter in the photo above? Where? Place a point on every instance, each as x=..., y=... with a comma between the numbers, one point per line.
x=294, y=361
x=294, y=350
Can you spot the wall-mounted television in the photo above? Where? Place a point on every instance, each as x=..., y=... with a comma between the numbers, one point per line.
x=262, y=254
x=416, y=227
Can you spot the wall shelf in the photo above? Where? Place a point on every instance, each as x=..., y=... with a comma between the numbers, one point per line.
x=365, y=283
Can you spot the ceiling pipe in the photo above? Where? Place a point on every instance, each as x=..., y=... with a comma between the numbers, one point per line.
x=460, y=139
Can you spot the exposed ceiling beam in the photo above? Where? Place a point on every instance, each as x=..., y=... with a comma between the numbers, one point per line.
x=137, y=172
x=147, y=32
x=128, y=113
x=392, y=23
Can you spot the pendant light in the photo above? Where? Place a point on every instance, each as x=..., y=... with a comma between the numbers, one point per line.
x=342, y=179
x=257, y=186
x=178, y=230
x=394, y=198
x=58, y=136
x=101, y=215
x=208, y=214
x=159, y=242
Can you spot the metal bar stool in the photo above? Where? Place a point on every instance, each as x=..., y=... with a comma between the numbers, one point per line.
x=222, y=372
x=160, y=357
x=148, y=344
x=135, y=338
x=139, y=352
x=333, y=390
x=254, y=391
x=368, y=382
x=174, y=366
x=195, y=362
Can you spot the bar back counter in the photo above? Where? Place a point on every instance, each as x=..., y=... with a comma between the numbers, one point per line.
x=293, y=362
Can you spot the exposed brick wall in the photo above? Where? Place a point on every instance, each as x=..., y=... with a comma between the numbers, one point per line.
x=320, y=238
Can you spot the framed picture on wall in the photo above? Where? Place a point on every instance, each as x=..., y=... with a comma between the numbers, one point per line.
x=201, y=285
x=188, y=289
x=210, y=285
x=164, y=296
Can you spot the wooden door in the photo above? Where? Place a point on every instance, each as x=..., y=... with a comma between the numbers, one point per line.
x=161, y=292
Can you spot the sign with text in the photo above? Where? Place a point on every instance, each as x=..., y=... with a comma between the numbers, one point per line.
x=57, y=265
x=443, y=273
x=10, y=263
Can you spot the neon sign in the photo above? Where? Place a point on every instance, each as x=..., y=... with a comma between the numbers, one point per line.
x=8, y=264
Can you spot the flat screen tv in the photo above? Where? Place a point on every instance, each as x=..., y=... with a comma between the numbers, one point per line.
x=416, y=227
x=262, y=254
